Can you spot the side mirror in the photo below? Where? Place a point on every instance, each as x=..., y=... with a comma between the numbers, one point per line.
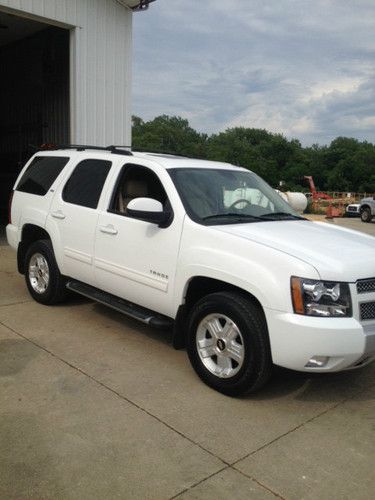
x=148, y=210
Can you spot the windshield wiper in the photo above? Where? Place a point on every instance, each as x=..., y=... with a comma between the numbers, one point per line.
x=232, y=215
x=281, y=215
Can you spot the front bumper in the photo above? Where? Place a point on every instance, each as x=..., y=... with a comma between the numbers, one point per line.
x=296, y=339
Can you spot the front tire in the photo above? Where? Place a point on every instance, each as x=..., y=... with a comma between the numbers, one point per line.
x=366, y=215
x=43, y=279
x=228, y=343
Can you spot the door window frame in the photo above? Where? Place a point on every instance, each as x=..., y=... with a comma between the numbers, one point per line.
x=121, y=175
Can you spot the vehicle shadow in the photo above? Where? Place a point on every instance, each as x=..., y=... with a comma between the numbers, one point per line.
x=319, y=387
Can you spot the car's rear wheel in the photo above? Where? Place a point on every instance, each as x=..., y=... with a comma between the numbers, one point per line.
x=366, y=215
x=43, y=279
x=228, y=343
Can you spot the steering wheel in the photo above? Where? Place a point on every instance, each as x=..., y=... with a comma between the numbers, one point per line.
x=237, y=202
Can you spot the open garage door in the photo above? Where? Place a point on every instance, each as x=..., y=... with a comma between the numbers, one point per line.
x=34, y=93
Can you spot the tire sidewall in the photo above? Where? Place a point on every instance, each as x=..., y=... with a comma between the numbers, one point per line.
x=252, y=334
x=366, y=215
x=43, y=248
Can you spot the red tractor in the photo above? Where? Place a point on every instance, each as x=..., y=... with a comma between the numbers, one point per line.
x=316, y=195
x=331, y=211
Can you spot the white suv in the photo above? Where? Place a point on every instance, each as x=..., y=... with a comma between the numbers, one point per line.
x=204, y=247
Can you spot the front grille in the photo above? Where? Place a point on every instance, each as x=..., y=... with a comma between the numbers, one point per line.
x=367, y=310
x=366, y=286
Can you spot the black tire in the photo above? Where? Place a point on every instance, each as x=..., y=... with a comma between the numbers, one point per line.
x=366, y=215
x=256, y=366
x=55, y=290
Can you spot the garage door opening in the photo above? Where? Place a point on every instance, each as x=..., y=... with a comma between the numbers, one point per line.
x=34, y=94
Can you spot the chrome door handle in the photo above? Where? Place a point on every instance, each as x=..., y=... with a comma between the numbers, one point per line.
x=58, y=214
x=109, y=229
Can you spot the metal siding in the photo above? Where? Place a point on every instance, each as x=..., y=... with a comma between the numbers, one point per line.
x=100, y=64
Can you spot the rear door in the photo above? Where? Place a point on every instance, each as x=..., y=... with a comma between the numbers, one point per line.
x=73, y=217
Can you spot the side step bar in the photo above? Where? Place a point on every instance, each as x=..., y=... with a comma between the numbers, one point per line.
x=132, y=310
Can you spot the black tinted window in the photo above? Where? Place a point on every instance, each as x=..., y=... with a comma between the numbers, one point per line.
x=41, y=173
x=86, y=183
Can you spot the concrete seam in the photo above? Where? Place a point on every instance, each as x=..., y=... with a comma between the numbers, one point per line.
x=277, y=495
x=199, y=482
x=114, y=392
x=299, y=426
x=15, y=303
x=233, y=465
x=327, y=410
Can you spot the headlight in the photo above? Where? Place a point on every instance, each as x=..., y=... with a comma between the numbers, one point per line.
x=320, y=298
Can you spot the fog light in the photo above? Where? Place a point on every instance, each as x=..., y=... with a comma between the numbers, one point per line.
x=317, y=362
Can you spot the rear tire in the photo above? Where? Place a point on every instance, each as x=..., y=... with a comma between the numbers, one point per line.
x=366, y=215
x=228, y=344
x=43, y=279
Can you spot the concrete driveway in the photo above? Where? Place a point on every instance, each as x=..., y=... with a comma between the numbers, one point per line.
x=96, y=406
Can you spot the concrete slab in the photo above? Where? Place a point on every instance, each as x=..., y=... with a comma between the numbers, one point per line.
x=227, y=484
x=113, y=411
x=13, y=289
x=139, y=363
x=8, y=259
x=330, y=457
x=65, y=436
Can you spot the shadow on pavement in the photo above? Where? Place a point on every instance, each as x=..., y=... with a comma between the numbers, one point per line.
x=319, y=387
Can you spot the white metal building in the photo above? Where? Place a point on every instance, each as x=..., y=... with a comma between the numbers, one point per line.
x=65, y=75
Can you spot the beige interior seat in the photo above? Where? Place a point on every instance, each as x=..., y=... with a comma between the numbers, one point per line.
x=133, y=188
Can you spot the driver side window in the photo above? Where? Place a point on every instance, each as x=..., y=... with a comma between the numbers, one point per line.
x=136, y=182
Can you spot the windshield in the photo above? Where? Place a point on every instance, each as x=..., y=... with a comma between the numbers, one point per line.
x=217, y=196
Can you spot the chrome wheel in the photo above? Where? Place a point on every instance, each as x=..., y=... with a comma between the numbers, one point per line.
x=39, y=273
x=220, y=345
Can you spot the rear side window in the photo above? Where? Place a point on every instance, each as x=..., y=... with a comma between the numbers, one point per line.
x=86, y=183
x=41, y=174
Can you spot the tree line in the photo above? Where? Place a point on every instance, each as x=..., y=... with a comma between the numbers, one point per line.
x=346, y=164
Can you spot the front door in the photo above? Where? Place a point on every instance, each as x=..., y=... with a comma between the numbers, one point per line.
x=136, y=260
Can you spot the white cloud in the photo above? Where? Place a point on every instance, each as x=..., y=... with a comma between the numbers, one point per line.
x=302, y=68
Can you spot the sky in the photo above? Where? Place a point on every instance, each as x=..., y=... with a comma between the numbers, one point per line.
x=302, y=68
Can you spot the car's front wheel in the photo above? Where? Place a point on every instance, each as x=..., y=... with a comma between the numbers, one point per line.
x=43, y=279
x=228, y=343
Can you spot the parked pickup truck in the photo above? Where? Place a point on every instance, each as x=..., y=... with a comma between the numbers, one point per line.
x=206, y=248
x=367, y=209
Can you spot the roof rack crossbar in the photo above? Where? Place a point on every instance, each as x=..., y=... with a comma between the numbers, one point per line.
x=83, y=147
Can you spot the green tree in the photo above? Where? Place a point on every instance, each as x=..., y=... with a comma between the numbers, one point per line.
x=169, y=135
x=345, y=165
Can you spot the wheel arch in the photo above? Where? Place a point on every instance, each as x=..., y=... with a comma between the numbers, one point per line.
x=364, y=207
x=196, y=288
x=30, y=234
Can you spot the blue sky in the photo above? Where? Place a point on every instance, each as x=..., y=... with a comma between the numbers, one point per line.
x=305, y=69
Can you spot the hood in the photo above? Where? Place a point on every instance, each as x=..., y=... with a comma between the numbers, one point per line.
x=337, y=253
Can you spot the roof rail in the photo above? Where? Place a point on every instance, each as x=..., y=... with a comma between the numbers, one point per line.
x=83, y=147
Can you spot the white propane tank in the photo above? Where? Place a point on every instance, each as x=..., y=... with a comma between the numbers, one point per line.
x=297, y=201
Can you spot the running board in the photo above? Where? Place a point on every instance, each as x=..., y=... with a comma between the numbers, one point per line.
x=123, y=306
